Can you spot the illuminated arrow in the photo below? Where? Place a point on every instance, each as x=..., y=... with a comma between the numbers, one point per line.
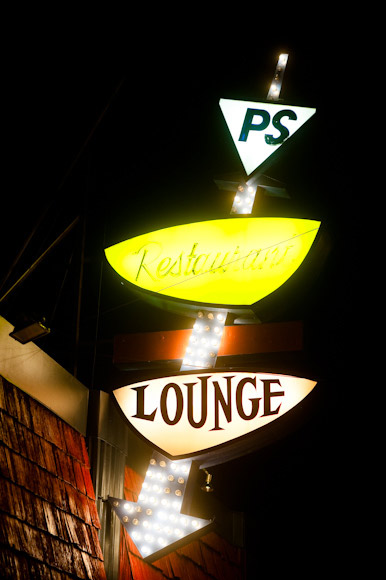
x=155, y=521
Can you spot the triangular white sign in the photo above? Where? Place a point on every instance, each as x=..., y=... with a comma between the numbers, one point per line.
x=258, y=129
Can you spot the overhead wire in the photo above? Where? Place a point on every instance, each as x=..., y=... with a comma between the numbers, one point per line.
x=53, y=200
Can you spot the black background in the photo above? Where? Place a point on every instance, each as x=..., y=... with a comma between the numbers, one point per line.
x=128, y=134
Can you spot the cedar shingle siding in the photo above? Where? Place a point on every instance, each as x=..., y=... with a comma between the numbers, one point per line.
x=48, y=517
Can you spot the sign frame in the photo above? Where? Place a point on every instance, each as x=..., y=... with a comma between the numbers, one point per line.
x=248, y=442
x=263, y=309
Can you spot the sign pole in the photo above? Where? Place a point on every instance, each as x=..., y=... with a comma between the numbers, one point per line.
x=277, y=81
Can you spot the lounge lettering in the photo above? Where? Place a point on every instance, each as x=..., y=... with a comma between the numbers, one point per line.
x=189, y=413
x=175, y=400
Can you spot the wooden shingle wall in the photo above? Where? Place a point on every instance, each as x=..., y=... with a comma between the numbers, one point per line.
x=48, y=518
x=209, y=558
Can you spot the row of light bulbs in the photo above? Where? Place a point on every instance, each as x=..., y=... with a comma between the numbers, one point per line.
x=275, y=87
x=160, y=535
x=244, y=199
x=205, y=340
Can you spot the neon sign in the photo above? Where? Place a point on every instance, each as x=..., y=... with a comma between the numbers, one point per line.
x=234, y=261
x=188, y=413
x=219, y=266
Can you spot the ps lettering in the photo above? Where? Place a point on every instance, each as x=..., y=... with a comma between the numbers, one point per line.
x=250, y=124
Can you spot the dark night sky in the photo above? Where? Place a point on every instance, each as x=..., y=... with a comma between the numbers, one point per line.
x=155, y=139
x=150, y=163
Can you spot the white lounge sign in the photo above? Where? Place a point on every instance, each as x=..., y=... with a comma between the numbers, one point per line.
x=259, y=129
x=188, y=413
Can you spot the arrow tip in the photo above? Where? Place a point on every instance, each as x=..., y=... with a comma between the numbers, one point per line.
x=155, y=521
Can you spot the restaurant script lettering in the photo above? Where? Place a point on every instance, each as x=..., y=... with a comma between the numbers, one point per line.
x=155, y=264
x=234, y=261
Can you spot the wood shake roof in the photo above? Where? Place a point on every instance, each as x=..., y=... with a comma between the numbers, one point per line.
x=48, y=518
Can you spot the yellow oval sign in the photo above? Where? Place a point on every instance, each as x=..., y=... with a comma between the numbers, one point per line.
x=186, y=414
x=235, y=261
